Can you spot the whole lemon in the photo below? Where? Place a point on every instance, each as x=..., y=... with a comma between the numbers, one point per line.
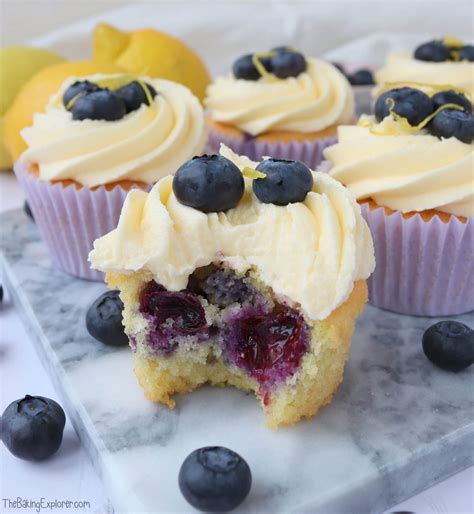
x=35, y=94
x=17, y=65
x=151, y=52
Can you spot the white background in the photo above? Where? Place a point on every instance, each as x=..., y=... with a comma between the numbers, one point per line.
x=316, y=27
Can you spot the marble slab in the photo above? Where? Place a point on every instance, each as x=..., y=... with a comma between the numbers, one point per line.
x=396, y=426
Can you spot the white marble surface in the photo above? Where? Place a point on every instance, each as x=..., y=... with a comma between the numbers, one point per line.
x=397, y=424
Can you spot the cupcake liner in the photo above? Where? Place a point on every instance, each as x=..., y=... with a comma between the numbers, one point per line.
x=309, y=152
x=70, y=219
x=423, y=268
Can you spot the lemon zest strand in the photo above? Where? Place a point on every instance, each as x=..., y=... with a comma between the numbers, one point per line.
x=116, y=82
x=253, y=173
x=452, y=42
x=261, y=68
x=151, y=103
x=415, y=128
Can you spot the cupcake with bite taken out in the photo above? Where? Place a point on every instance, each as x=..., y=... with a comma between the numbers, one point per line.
x=214, y=291
x=98, y=138
x=411, y=168
x=279, y=103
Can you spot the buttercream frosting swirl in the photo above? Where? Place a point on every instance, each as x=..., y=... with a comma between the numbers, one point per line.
x=145, y=145
x=313, y=101
x=403, y=170
x=310, y=253
x=403, y=68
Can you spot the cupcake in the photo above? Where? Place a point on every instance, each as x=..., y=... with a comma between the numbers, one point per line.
x=411, y=168
x=435, y=63
x=214, y=291
x=279, y=104
x=97, y=139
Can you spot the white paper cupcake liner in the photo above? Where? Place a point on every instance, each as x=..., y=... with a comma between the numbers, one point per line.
x=70, y=219
x=423, y=268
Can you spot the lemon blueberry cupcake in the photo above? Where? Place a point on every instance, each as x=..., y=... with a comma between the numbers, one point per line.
x=279, y=103
x=411, y=168
x=214, y=291
x=435, y=63
x=99, y=137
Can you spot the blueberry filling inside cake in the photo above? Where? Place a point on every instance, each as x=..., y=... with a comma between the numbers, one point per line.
x=233, y=318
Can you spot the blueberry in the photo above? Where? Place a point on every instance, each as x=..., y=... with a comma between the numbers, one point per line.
x=285, y=182
x=452, y=123
x=81, y=86
x=104, y=320
x=215, y=479
x=244, y=68
x=134, y=95
x=466, y=53
x=288, y=64
x=412, y=104
x=32, y=428
x=434, y=51
x=210, y=183
x=449, y=345
x=27, y=209
x=99, y=105
x=361, y=78
x=451, y=97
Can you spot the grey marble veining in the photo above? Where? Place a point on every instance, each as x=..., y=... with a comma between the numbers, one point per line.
x=396, y=425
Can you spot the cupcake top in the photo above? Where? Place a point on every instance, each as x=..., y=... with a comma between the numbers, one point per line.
x=306, y=240
x=281, y=90
x=448, y=61
x=107, y=128
x=412, y=156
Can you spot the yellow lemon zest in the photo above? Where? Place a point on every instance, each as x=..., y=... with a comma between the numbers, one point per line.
x=414, y=128
x=146, y=90
x=452, y=42
x=261, y=68
x=252, y=173
x=116, y=82
x=455, y=55
x=363, y=123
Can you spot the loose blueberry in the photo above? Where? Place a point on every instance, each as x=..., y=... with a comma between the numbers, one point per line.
x=452, y=123
x=215, y=479
x=412, y=104
x=244, y=68
x=466, y=53
x=82, y=86
x=288, y=64
x=104, y=320
x=32, y=428
x=133, y=95
x=27, y=209
x=451, y=97
x=434, y=51
x=361, y=78
x=210, y=183
x=449, y=345
x=285, y=182
x=99, y=105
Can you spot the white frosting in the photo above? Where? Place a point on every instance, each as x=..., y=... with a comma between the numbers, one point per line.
x=312, y=101
x=310, y=253
x=145, y=145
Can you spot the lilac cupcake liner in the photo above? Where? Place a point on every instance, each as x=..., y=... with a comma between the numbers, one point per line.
x=71, y=219
x=309, y=152
x=423, y=268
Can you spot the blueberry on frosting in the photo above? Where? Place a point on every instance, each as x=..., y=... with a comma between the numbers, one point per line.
x=453, y=123
x=135, y=94
x=410, y=103
x=282, y=61
x=284, y=182
x=466, y=53
x=210, y=183
x=433, y=51
x=451, y=97
x=98, y=105
x=78, y=88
